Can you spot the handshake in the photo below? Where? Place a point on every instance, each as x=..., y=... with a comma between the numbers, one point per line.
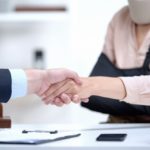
x=57, y=86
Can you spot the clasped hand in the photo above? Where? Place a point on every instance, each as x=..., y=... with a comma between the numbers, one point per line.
x=57, y=86
x=65, y=92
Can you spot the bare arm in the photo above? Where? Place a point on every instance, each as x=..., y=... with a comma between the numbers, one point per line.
x=100, y=86
x=106, y=87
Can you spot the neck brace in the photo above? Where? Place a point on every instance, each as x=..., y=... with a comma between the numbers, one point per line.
x=140, y=11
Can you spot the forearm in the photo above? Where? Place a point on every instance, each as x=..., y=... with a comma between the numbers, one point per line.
x=22, y=82
x=106, y=87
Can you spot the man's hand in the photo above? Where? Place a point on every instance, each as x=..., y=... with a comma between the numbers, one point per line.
x=39, y=81
x=58, y=75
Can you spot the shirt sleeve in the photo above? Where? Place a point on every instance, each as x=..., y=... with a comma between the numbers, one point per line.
x=19, y=83
x=137, y=89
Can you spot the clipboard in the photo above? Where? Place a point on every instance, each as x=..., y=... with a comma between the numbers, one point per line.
x=39, y=141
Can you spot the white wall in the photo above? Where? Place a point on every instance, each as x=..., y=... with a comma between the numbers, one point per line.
x=74, y=43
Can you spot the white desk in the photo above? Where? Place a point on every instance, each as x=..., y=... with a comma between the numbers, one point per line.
x=138, y=137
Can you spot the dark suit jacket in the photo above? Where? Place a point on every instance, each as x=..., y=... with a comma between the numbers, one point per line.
x=5, y=85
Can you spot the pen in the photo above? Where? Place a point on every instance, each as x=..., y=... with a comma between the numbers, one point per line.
x=40, y=131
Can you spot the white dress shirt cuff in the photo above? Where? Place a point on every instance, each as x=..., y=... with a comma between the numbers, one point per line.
x=19, y=83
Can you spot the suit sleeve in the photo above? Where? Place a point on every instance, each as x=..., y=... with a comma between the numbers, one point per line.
x=5, y=85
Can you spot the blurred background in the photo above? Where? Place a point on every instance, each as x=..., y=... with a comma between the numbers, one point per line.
x=53, y=34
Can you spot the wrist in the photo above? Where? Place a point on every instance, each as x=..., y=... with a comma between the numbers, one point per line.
x=34, y=80
x=89, y=86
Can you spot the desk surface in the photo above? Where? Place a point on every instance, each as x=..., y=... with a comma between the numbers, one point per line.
x=138, y=137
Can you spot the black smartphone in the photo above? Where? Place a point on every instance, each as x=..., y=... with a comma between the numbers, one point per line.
x=111, y=137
